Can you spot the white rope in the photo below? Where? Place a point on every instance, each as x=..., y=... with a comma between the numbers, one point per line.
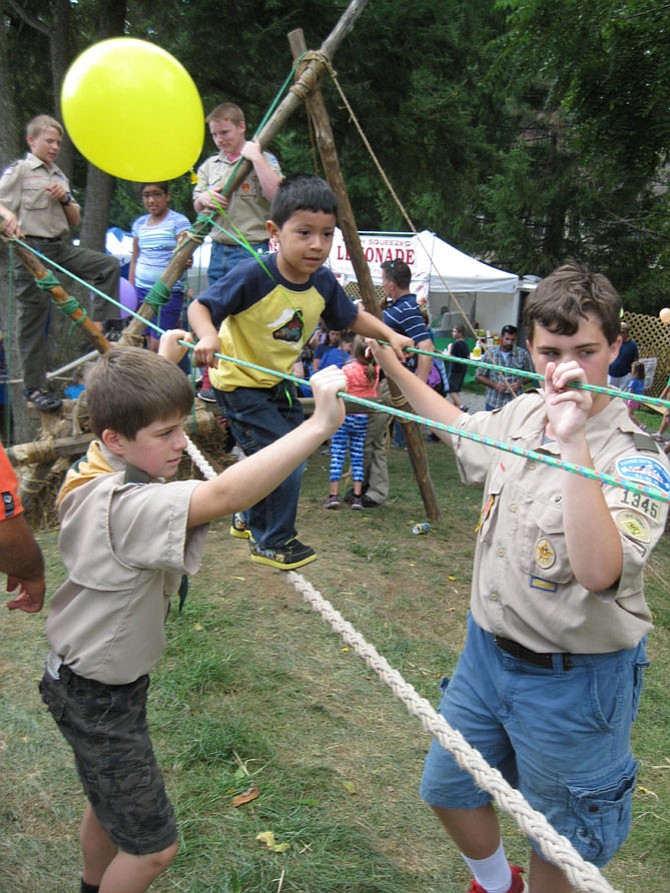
x=557, y=849
x=207, y=470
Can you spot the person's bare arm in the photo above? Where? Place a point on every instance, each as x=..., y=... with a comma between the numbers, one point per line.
x=596, y=561
x=247, y=482
x=21, y=559
x=208, y=337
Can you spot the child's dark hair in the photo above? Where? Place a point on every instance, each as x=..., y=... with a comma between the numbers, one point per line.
x=566, y=296
x=362, y=355
x=163, y=185
x=638, y=371
x=301, y=192
x=130, y=388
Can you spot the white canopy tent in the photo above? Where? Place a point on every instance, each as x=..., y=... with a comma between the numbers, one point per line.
x=447, y=280
x=442, y=277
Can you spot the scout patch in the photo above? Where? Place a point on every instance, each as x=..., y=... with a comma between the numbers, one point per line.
x=646, y=470
x=640, y=503
x=634, y=525
x=545, y=554
x=545, y=585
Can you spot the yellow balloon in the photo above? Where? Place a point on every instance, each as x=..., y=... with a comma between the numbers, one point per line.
x=133, y=110
x=665, y=315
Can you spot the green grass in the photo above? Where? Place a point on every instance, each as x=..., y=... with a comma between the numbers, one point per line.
x=255, y=689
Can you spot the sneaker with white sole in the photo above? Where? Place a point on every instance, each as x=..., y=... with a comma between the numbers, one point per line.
x=287, y=558
x=332, y=502
x=239, y=527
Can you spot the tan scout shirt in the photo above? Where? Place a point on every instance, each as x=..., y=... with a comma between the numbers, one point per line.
x=23, y=191
x=247, y=208
x=523, y=587
x=125, y=547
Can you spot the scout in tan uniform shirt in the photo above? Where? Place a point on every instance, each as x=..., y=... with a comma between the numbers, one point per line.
x=548, y=683
x=246, y=209
x=127, y=535
x=37, y=191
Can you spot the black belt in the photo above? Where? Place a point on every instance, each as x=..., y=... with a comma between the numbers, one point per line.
x=45, y=238
x=532, y=657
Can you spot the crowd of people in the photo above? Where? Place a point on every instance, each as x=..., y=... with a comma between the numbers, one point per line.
x=547, y=684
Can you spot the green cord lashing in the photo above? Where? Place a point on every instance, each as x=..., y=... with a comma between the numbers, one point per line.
x=159, y=295
x=48, y=282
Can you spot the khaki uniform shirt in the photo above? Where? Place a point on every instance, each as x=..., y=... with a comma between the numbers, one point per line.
x=23, y=191
x=523, y=587
x=125, y=547
x=248, y=209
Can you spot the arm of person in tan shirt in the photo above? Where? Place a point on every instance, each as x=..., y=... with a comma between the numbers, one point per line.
x=267, y=176
x=596, y=561
x=249, y=481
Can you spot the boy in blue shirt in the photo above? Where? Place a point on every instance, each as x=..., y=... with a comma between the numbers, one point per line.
x=264, y=314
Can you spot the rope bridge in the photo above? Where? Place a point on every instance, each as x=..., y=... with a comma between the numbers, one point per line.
x=555, y=848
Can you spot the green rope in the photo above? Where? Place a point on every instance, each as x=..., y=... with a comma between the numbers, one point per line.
x=8, y=350
x=48, y=282
x=535, y=376
x=590, y=473
x=69, y=308
x=79, y=281
x=159, y=295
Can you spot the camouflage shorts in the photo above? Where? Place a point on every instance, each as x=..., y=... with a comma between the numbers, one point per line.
x=107, y=729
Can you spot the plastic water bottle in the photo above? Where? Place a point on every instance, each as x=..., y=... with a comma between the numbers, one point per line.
x=420, y=529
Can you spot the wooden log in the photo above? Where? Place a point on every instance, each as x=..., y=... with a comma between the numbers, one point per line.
x=44, y=451
x=60, y=296
x=416, y=446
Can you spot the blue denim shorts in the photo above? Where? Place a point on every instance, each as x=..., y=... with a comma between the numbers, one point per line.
x=106, y=728
x=561, y=736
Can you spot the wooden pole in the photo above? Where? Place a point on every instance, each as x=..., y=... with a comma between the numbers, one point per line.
x=310, y=76
x=37, y=269
x=416, y=445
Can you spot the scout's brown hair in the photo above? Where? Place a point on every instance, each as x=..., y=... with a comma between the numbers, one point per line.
x=39, y=124
x=566, y=296
x=130, y=388
x=227, y=111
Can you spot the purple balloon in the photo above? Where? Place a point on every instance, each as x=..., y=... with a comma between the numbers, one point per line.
x=127, y=296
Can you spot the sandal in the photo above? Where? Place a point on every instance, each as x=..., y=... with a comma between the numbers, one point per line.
x=43, y=400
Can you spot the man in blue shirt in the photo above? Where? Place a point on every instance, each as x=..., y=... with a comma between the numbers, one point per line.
x=618, y=374
x=404, y=316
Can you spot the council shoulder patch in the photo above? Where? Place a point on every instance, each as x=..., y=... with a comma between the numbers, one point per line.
x=647, y=470
x=634, y=525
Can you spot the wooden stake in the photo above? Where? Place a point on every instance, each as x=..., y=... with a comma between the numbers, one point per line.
x=316, y=106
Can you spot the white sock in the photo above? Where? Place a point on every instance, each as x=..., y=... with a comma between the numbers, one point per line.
x=494, y=873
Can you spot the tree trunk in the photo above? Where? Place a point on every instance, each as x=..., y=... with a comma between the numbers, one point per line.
x=100, y=186
x=59, y=52
x=10, y=140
